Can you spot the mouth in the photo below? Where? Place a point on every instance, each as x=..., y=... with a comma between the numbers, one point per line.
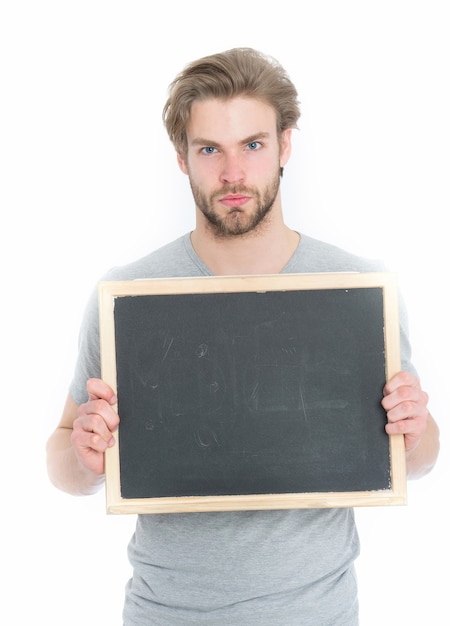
x=234, y=200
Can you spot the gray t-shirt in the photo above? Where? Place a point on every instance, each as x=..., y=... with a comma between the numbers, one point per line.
x=245, y=568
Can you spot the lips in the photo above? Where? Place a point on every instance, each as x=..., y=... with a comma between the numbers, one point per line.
x=234, y=200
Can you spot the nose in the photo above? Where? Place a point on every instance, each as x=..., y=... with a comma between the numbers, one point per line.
x=232, y=171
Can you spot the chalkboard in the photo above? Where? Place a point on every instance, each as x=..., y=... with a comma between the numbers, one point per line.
x=251, y=392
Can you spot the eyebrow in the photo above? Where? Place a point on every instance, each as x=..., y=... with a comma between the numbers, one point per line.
x=200, y=141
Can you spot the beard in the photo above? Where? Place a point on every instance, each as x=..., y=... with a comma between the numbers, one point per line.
x=236, y=221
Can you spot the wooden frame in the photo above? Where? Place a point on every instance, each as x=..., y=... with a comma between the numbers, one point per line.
x=109, y=292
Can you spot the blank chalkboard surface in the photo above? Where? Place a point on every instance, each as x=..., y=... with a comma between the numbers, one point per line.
x=251, y=392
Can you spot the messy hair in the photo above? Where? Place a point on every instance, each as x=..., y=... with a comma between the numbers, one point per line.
x=235, y=72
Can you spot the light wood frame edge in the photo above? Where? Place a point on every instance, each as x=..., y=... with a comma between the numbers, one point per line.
x=109, y=290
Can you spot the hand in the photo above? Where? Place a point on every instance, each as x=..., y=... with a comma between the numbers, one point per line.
x=94, y=426
x=406, y=406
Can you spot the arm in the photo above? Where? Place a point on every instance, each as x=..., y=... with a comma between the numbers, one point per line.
x=406, y=406
x=75, y=450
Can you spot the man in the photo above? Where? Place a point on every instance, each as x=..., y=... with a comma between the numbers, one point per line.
x=230, y=117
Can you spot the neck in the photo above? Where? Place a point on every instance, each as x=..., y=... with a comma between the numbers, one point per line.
x=265, y=251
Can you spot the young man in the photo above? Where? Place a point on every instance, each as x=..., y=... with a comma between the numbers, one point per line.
x=230, y=118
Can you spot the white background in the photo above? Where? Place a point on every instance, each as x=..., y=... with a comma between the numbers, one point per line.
x=89, y=180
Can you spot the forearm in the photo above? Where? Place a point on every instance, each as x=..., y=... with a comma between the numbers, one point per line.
x=421, y=459
x=64, y=469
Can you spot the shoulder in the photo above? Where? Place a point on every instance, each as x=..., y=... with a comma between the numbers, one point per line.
x=314, y=255
x=171, y=260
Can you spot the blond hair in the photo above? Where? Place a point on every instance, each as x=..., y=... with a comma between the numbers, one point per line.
x=235, y=72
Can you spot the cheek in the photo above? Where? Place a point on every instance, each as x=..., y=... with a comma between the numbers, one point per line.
x=205, y=173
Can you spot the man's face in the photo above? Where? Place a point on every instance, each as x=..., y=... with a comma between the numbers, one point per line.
x=233, y=161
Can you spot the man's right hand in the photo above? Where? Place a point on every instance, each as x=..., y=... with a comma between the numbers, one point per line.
x=94, y=426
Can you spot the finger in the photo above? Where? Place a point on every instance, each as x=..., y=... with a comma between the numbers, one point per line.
x=401, y=379
x=412, y=430
x=99, y=412
x=84, y=440
x=93, y=432
x=405, y=403
x=90, y=449
x=99, y=418
x=97, y=388
x=408, y=419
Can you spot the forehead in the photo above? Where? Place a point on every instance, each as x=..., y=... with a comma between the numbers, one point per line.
x=230, y=120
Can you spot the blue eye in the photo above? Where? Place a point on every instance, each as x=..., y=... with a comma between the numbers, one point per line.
x=209, y=150
x=254, y=145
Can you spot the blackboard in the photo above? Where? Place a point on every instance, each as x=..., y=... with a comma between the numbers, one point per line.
x=251, y=392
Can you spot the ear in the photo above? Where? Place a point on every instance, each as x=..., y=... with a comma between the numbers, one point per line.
x=285, y=146
x=182, y=164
